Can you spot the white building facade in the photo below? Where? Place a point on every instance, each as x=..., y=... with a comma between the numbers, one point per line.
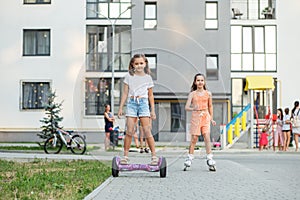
x=67, y=46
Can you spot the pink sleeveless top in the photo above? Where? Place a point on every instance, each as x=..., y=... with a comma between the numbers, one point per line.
x=200, y=121
x=200, y=100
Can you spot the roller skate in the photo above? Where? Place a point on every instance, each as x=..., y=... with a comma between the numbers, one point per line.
x=188, y=161
x=210, y=162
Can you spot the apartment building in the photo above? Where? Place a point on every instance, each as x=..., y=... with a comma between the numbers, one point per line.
x=81, y=49
x=264, y=43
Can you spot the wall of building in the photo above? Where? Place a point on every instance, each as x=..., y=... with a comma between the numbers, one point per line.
x=181, y=43
x=66, y=19
x=288, y=52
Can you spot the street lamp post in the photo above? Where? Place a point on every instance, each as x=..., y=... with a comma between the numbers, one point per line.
x=112, y=23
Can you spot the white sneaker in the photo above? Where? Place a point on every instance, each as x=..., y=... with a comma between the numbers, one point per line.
x=209, y=159
x=188, y=160
x=210, y=162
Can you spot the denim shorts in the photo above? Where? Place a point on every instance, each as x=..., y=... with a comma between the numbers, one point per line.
x=138, y=107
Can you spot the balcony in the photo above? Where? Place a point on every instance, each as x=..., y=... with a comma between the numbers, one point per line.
x=253, y=10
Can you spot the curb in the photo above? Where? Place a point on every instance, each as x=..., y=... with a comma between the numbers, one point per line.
x=95, y=192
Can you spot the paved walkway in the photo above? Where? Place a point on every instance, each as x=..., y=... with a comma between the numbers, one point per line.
x=241, y=174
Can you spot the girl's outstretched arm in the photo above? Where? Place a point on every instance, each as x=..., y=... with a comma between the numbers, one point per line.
x=123, y=99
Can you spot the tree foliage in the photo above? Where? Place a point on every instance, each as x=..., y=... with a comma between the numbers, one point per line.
x=52, y=118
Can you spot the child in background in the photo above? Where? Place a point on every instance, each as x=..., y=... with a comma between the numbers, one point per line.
x=109, y=123
x=286, y=129
x=296, y=129
x=263, y=139
x=278, y=134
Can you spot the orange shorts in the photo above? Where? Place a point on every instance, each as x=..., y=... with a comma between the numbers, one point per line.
x=200, y=123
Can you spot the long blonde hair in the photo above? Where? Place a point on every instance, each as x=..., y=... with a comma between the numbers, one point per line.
x=131, y=67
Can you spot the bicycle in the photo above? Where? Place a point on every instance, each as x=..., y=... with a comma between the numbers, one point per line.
x=76, y=143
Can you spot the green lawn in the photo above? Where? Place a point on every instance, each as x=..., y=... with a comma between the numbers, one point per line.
x=42, y=179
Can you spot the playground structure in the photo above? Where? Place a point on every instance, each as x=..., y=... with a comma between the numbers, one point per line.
x=247, y=121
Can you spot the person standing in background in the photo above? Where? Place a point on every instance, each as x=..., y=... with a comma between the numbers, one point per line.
x=286, y=129
x=295, y=114
x=109, y=123
x=278, y=134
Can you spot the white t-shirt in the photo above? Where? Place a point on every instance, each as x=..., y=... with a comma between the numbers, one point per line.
x=138, y=85
x=286, y=127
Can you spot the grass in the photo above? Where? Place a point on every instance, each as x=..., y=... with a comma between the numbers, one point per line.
x=22, y=148
x=42, y=179
x=39, y=148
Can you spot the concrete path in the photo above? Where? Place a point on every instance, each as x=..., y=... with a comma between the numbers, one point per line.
x=241, y=174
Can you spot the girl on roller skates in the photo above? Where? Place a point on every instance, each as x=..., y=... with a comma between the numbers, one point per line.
x=199, y=102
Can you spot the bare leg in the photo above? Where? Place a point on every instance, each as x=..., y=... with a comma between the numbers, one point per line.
x=136, y=140
x=274, y=145
x=190, y=156
x=284, y=140
x=207, y=143
x=129, y=133
x=194, y=139
x=209, y=156
x=296, y=140
x=288, y=135
x=151, y=143
x=141, y=139
x=127, y=143
x=146, y=126
x=107, y=141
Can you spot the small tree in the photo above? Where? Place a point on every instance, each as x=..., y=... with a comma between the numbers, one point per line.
x=52, y=119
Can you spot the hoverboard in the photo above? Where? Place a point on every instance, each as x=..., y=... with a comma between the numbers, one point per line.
x=161, y=167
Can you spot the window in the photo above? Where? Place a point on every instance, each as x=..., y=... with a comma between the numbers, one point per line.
x=150, y=20
x=36, y=42
x=211, y=15
x=255, y=9
x=99, y=48
x=178, y=117
x=37, y=1
x=152, y=63
x=112, y=9
x=253, y=48
x=212, y=67
x=98, y=93
x=34, y=95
